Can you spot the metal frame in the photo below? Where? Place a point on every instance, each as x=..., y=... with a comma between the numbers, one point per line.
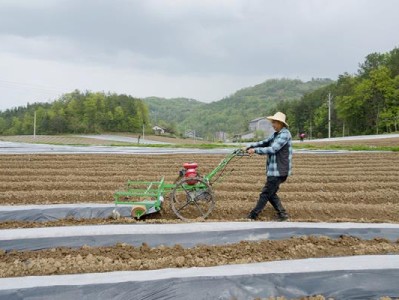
x=154, y=191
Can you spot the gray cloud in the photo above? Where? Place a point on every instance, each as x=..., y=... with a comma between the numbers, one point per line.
x=238, y=41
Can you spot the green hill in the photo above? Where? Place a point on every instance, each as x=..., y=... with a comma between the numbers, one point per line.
x=91, y=112
x=232, y=113
x=169, y=113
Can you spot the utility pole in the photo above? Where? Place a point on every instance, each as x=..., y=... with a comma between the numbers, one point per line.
x=329, y=115
x=143, y=131
x=34, y=125
x=343, y=129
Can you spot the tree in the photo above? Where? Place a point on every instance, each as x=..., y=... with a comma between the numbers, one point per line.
x=3, y=125
x=320, y=120
x=372, y=62
x=348, y=111
x=392, y=62
x=376, y=91
x=16, y=126
x=27, y=124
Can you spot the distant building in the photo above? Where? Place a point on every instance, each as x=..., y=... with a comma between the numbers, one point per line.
x=192, y=134
x=221, y=136
x=248, y=135
x=243, y=136
x=158, y=130
x=258, y=124
x=261, y=124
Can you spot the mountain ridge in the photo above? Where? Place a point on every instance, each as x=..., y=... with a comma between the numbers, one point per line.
x=232, y=113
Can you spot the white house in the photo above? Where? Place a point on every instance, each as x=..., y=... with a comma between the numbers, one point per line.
x=158, y=130
x=261, y=124
x=258, y=124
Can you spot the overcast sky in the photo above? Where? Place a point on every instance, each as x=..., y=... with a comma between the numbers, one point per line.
x=201, y=49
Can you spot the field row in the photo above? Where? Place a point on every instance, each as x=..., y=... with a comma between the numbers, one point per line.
x=123, y=257
x=364, y=187
x=234, y=186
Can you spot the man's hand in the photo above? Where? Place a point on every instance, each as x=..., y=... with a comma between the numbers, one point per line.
x=251, y=151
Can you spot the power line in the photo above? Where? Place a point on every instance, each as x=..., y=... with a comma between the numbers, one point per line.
x=15, y=85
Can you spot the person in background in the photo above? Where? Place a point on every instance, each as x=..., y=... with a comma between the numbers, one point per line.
x=278, y=148
x=302, y=136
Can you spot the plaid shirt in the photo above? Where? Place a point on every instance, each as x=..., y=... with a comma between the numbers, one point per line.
x=278, y=147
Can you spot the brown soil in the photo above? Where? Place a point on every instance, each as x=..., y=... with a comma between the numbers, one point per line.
x=360, y=187
x=126, y=257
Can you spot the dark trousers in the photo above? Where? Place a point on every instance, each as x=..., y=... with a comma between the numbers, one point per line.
x=269, y=193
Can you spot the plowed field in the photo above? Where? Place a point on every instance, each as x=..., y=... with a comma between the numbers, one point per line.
x=358, y=187
x=126, y=257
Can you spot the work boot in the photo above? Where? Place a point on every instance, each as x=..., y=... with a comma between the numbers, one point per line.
x=281, y=217
x=252, y=216
x=281, y=213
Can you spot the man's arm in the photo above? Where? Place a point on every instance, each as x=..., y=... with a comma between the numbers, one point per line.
x=278, y=143
x=263, y=143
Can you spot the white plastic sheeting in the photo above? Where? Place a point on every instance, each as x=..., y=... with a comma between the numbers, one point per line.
x=187, y=235
x=356, y=277
x=25, y=148
x=43, y=213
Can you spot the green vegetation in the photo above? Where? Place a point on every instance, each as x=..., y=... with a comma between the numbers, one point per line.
x=171, y=113
x=77, y=112
x=232, y=113
x=365, y=103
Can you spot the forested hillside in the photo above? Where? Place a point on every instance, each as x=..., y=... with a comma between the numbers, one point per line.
x=77, y=112
x=89, y=112
x=170, y=114
x=362, y=103
x=232, y=113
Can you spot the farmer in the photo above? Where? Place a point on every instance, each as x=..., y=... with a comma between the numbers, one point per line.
x=278, y=147
x=302, y=136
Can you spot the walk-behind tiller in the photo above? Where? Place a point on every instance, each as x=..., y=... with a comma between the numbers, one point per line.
x=191, y=195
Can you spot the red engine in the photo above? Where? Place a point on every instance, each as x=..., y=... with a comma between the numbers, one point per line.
x=190, y=171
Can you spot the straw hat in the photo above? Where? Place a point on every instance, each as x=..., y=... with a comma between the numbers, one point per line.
x=278, y=116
